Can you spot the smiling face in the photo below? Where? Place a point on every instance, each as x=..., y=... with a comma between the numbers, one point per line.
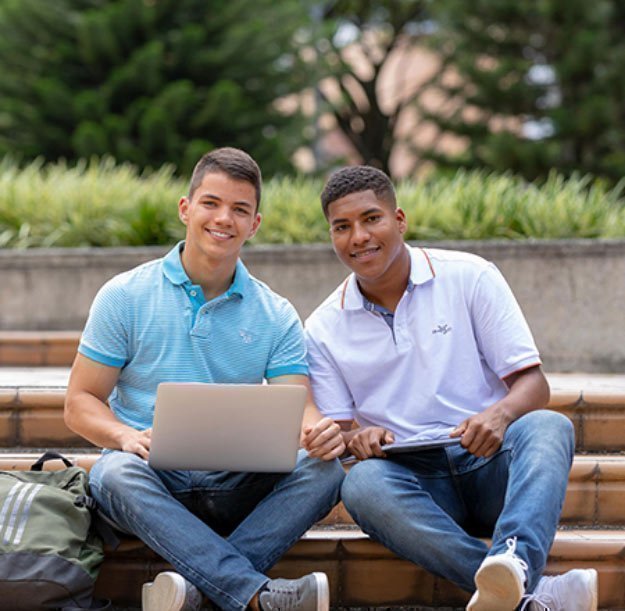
x=220, y=216
x=367, y=236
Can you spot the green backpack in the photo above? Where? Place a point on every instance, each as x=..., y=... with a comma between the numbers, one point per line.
x=49, y=554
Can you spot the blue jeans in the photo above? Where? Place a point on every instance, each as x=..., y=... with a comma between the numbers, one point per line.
x=219, y=530
x=430, y=507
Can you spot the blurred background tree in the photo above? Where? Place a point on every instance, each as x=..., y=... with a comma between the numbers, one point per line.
x=362, y=56
x=148, y=81
x=532, y=86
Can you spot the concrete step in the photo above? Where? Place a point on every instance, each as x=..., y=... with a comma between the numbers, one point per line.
x=365, y=574
x=595, y=495
x=31, y=406
x=36, y=348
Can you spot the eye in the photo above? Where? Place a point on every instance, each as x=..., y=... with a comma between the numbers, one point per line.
x=208, y=203
x=340, y=228
x=372, y=218
x=241, y=210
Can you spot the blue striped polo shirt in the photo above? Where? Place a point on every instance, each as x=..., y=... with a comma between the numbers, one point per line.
x=155, y=325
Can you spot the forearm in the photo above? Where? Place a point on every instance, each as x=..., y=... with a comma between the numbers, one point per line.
x=93, y=420
x=528, y=391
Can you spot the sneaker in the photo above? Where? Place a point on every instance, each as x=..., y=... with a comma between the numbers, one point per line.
x=573, y=591
x=500, y=581
x=310, y=593
x=170, y=592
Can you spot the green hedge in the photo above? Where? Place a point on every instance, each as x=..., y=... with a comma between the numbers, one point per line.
x=99, y=203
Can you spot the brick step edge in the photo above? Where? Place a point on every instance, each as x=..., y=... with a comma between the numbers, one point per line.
x=595, y=493
x=364, y=573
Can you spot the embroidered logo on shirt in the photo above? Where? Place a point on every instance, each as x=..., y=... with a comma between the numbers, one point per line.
x=245, y=336
x=444, y=329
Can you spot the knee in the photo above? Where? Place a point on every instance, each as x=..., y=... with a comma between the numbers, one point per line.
x=116, y=472
x=322, y=473
x=546, y=428
x=362, y=485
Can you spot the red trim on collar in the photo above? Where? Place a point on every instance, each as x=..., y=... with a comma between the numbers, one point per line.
x=344, y=291
x=427, y=258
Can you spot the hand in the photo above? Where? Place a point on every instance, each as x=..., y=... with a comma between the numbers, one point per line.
x=367, y=442
x=482, y=434
x=137, y=442
x=323, y=440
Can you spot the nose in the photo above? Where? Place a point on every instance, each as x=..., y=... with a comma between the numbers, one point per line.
x=360, y=235
x=223, y=215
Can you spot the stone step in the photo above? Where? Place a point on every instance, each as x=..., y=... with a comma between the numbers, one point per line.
x=595, y=493
x=363, y=573
x=37, y=348
x=31, y=408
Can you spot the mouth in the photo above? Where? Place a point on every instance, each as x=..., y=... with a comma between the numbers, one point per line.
x=365, y=254
x=219, y=235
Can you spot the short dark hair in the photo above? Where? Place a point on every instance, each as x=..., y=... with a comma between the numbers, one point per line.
x=355, y=179
x=231, y=161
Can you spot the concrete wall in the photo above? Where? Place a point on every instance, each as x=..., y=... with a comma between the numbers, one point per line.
x=572, y=292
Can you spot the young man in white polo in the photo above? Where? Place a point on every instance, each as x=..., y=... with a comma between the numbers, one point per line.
x=425, y=344
x=197, y=315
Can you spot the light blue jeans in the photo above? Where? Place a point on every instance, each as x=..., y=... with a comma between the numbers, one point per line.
x=429, y=507
x=219, y=530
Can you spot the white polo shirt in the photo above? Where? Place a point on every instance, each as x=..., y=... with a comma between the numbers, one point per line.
x=455, y=335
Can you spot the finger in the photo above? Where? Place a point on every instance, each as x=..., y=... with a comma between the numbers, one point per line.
x=389, y=437
x=335, y=453
x=375, y=447
x=356, y=448
x=459, y=430
x=334, y=431
x=326, y=448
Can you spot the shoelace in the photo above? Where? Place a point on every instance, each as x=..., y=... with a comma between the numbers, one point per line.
x=548, y=600
x=283, y=597
x=511, y=551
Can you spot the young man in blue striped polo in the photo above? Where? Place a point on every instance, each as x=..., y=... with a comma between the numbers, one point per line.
x=197, y=315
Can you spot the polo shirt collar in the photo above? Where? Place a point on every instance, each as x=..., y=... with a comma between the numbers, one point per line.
x=175, y=273
x=421, y=271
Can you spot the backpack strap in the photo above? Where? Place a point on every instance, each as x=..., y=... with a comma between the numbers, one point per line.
x=50, y=455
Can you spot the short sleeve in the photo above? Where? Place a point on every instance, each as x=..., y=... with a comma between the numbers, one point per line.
x=105, y=337
x=502, y=333
x=330, y=391
x=288, y=356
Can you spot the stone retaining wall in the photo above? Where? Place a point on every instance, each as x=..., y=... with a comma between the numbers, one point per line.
x=572, y=292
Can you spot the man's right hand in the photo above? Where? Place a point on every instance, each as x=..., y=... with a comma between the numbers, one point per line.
x=367, y=442
x=137, y=442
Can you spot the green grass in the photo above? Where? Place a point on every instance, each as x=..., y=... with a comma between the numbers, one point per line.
x=99, y=203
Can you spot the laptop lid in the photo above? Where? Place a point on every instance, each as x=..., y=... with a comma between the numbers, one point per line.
x=227, y=427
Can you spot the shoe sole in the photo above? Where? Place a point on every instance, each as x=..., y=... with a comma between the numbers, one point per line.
x=498, y=589
x=595, y=590
x=323, y=592
x=162, y=595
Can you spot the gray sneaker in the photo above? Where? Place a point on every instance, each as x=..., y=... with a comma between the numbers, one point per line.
x=310, y=593
x=170, y=592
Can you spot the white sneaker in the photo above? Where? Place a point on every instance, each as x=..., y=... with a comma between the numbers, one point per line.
x=500, y=581
x=573, y=591
x=170, y=592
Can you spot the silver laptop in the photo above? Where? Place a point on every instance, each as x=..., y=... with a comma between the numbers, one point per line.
x=227, y=427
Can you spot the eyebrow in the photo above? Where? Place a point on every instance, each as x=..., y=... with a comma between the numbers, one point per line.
x=365, y=213
x=238, y=203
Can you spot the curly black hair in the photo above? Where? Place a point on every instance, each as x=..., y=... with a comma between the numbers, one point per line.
x=355, y=179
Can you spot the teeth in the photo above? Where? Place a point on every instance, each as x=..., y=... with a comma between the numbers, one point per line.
x=363, y=253
x=219, y=234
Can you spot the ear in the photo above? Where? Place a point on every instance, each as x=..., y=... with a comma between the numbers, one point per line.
x=255, y=225
x=400, y=217
x=183, y=209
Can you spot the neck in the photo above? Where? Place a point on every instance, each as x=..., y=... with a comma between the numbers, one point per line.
x=214, y=276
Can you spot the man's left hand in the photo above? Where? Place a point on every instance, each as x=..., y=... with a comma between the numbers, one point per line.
x=323, y=440
x=482, y=434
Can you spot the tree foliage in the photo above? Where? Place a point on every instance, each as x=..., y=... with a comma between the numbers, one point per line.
x=147, y=81
x=532, y=86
